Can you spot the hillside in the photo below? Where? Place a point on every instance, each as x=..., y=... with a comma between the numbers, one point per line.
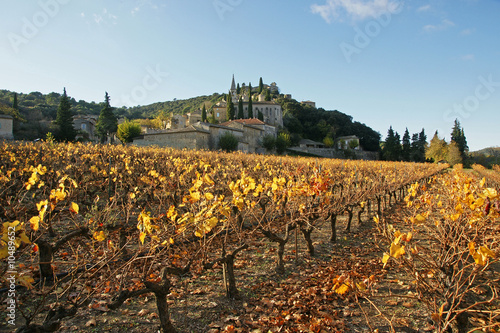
x=486, y=156
x=37, y=111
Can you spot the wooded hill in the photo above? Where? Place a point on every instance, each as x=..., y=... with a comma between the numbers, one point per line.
x=37, y=111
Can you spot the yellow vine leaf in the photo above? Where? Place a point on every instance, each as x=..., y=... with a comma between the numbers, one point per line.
x=35, y=223
x=342, y=289
x=209, y=196
x=490, y=193
x=397, y=250
x=142, y=236
x=74, y=208
x=99, y=236
x=385, y=259
x=481, y=183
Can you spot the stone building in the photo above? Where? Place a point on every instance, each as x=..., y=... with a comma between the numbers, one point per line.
x=6, y=125
x=85, y=124
x=271, y=111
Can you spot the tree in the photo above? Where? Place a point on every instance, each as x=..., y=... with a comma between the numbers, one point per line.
x=204, y=113
x=328, y=141
x=127, y=131
x=107, y=122
x=282, y=142
x=269, y=142
x=260, y=116
x=406, y=151
x=240, y=109
x=392, y=146
x=437, y=150
x=64, y=120
x=458, y=136
x=250, y=106
x=228, y=142
x=230, y=108
x=268, y=95
x=15, y=106
x=454, y=156
x=261, y=85
x=238, y=89
x=422, y=146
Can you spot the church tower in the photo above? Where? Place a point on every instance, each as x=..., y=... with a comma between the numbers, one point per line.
x=233, y=91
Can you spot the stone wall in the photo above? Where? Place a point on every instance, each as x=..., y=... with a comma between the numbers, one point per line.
x=333, y=153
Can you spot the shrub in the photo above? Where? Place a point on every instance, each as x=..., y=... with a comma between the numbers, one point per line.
x=228, y=142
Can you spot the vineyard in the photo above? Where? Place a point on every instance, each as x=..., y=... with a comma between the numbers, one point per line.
x=117, y=237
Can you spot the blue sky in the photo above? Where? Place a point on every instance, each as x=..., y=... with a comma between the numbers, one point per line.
x=415, y=64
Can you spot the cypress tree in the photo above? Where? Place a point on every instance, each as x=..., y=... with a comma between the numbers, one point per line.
x=250, y=106
x=240, y=109
x=64, y=120
x=14, y=102
x=230, y=108
x=261, y=85
x=238, y=89
x=107, y=122
x=204, y=113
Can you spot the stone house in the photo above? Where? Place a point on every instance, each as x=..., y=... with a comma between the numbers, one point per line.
x=190, y=137
x=6, y=125
x=86, y=124
x=345, y=142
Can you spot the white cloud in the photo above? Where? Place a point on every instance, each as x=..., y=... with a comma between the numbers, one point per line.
x=424, y=8
x=105, y=17
x=468, y=57
x=466, y=32
x=445, y=24
x=356, y=9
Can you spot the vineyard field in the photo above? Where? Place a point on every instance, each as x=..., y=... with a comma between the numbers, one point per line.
x=105, y=237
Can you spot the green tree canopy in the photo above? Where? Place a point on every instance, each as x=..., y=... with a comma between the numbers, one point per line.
x=250, y=104
x=261, y=85
x=458, y=136
x=107, y=122
x=406, y=146
x=228, y=142
x=64, y=120
x=392, y=146
x=230, y=108
x=240, y=109
x=127, y=131
x=204, y=113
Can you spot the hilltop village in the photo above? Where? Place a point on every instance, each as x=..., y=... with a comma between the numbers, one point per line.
x=250, y=115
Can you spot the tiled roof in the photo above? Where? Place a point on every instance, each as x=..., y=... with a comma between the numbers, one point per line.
x=250, y=121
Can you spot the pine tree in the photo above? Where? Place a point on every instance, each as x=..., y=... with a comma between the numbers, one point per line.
x=458, y=136
x=406, y=152
x=107, y=122
x=230, y=108
x=204, y=113
x=261, y=85
x=240, y=109
x=392, y=146
x=64, y=120
x=250, y=106
x=422, y=145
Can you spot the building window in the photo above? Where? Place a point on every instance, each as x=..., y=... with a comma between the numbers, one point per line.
x=217, y=114
x=84, y=127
